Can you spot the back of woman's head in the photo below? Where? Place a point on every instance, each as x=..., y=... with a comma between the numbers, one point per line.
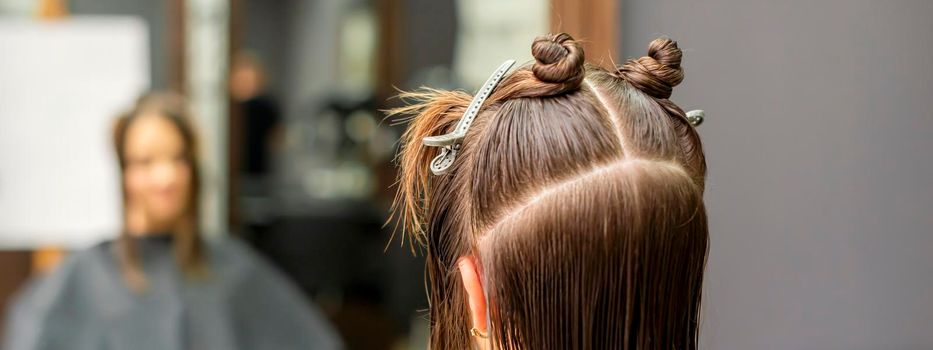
x=578, y=192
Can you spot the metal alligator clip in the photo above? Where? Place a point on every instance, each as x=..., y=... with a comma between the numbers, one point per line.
x=450, y=142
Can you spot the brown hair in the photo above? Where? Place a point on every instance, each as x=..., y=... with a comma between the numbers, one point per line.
x=580, y=193
x=187, y=244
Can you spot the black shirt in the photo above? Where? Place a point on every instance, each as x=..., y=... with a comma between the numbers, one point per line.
x=260, y=115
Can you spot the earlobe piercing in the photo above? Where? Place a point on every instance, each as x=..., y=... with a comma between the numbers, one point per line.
x=475, y=332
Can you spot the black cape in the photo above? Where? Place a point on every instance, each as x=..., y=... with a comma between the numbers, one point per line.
x=243, y=303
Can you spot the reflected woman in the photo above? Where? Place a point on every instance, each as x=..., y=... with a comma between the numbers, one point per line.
x=161, y=285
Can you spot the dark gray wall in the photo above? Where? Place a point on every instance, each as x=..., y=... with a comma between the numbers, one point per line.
x=818, y=135
x=427, y=40
x=265, y=33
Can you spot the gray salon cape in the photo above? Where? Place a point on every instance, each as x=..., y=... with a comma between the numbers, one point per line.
x=242, y=304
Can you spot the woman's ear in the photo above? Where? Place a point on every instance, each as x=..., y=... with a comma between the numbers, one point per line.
x=474, y=289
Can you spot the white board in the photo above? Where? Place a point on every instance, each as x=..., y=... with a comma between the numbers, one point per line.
x=61, y=85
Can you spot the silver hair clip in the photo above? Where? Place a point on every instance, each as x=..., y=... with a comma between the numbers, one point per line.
x=695, y=117
x=450, y=142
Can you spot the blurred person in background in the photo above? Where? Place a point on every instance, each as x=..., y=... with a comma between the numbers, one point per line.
x=568, y=214
x=260, y=113
x=261, y=135
x=160, y=285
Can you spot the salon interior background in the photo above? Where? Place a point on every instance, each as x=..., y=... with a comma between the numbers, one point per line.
x=818, y=139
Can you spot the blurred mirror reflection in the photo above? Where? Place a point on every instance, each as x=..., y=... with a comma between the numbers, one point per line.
x=295, y=152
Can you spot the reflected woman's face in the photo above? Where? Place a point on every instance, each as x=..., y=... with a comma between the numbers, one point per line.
x=157, y=175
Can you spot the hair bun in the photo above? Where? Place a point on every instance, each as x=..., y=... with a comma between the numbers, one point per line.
x=658, y=73
x=558, y=59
